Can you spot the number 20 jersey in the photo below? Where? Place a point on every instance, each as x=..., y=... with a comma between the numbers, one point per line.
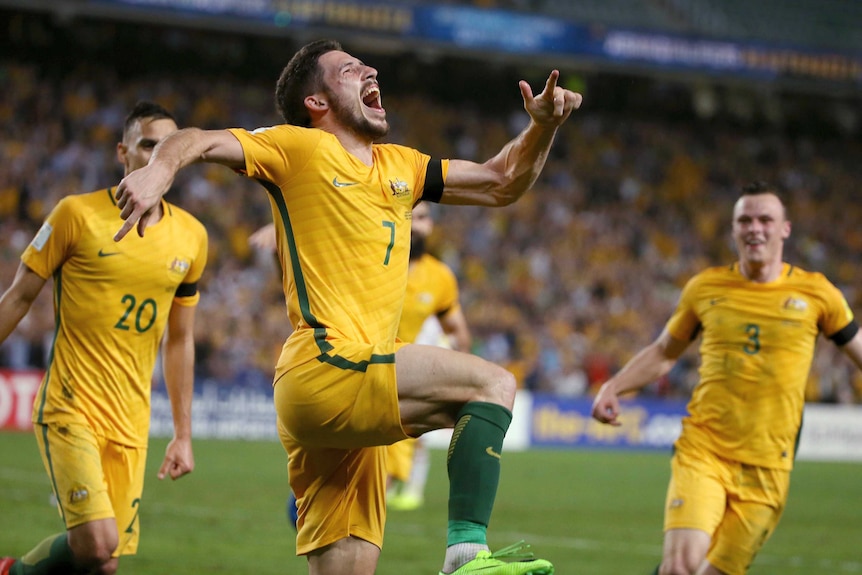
x=111, y=305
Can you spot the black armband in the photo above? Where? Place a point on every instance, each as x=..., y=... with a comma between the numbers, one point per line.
x=186, y=290
x=433, y=182
x=843, y=336
x=697, y=329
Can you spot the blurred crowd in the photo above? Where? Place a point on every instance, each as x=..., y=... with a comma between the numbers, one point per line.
x=562, y=287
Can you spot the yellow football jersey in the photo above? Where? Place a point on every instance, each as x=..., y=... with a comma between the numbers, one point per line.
x=757, y=346
x=111, y=302
x=431, y=290
x=343, y=235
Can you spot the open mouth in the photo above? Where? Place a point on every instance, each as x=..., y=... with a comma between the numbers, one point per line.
x=371, y=98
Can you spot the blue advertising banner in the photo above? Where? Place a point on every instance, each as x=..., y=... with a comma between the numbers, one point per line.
x=565, y=423
x=484, y=30
x=219, y=411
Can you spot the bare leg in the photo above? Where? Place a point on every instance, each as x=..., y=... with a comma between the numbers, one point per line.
x=349, y=556
x=685, y=553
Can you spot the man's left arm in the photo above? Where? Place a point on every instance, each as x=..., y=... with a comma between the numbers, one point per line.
x=507, y=176
x=179, y=362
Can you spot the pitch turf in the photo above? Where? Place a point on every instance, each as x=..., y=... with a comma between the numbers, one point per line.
x=590, y=513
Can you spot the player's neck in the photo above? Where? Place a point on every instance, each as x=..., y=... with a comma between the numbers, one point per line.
x=761, y=272
x=359, y=146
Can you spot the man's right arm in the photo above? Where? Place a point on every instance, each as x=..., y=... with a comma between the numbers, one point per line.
x=648, y=365
x=16, y=301
x=141, y=190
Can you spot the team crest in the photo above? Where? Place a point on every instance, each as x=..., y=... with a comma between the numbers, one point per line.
x=78, y=494
x=794, y=304
x=400, y=190
x=179, y=266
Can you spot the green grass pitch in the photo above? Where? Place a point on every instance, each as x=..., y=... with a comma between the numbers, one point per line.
x=589, y=512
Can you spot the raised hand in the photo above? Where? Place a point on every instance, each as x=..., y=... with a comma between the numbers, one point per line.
x=554, y=105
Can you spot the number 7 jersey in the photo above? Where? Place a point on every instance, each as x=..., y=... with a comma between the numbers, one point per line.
x=343, y=235
x=111, y=303
x=756, y=351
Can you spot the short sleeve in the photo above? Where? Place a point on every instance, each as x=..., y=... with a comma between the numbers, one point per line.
x=273, y=153
x=55, y=240
x=684, y=323
x=196, y=270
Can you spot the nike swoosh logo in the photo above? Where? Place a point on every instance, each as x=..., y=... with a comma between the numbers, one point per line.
x=490, y=451
x=104, y=254
x=338, y=184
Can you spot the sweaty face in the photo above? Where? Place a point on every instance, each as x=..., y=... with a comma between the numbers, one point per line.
x=137, y=146
x=760, y=228
x=354, y=95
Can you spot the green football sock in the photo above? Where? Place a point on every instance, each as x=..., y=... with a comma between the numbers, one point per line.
x=474, y=469
x=50, y=557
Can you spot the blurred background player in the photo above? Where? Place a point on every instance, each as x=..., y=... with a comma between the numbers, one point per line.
x=432, y=315
x=759, y=319
x=112, y=304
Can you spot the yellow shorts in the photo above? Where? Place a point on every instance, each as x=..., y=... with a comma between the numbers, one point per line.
x=739, y=505
x=94, y=478
x=333, y=422
x=399, y=459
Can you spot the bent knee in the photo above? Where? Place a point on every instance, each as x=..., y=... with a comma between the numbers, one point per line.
x=96, y=553
x=98, y=560
x=108, y=567
x=499, y=387
x=680, y=565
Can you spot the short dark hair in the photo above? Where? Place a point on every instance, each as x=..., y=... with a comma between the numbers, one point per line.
x=760, y=187
x=145, y=109
x=302, y=76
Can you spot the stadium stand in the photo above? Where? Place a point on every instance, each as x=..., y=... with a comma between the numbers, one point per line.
x=562, y=287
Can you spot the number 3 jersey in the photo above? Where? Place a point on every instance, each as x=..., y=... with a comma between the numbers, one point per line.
x=756, y=351
x=343, y=236
x=111, y=303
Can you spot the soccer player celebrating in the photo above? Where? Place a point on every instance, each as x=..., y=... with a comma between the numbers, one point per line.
x=112, y=304
x=344, y=386
x=759, y=319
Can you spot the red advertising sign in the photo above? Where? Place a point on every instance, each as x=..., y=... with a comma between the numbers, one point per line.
x=17, y=391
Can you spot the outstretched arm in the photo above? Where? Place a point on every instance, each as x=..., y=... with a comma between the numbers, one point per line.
x=140, y=191
x=649, y=364
x=505, y=177
x=16, y=301
x=179, y=363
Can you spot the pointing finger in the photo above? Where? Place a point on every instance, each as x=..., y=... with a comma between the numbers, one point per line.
x=551, y=85
x=127, y=227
